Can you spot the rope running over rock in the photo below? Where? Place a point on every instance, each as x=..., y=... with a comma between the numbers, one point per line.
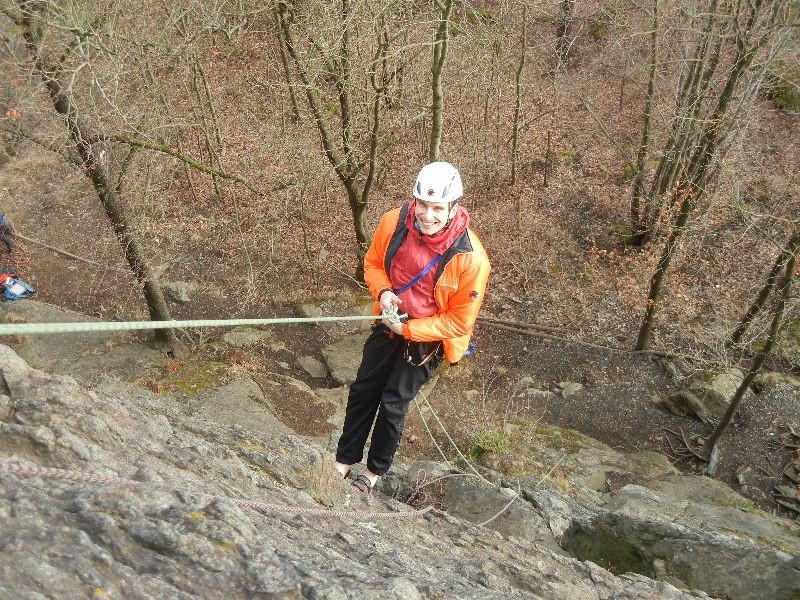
x=31, y=471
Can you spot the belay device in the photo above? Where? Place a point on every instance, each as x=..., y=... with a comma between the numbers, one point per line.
x=13, y=288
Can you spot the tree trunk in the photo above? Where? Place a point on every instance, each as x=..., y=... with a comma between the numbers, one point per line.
x=566, y=14
x=518, y=98
x=96, y=172
x=638, y=223
x=790, y=249
x=286, y=71
x=358, y=208
x=657, y=281
x=437, y=103
x=777, y=319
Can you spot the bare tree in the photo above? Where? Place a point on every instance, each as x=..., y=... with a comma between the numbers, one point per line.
x=564, y=38
x=518, y=96
x=784, y=289
x=355, y=168
x=772, y=279
x=690, y=159
x=637, y=225
x=31, y=18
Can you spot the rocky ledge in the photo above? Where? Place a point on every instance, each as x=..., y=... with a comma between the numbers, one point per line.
x=175, y=534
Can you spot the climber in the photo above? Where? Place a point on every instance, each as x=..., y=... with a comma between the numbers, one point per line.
x=423, y=261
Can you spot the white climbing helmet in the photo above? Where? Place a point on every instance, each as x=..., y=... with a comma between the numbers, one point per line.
x=438, y=182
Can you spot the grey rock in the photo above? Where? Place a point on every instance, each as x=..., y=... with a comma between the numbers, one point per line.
x=773, y=379
x=403, y=589
x=481, y=503
x=472, y=396
x=524, y=384
x=707, y=395
x=237, y=403
x=242, y=337
x=88, y=357
x=536, y=395
x=180, y=291
x=345, y=304
x=312, y=366
x=337, y=397
x=344, y=357
x=696, y=529
x=6, y=407
x=569, y=388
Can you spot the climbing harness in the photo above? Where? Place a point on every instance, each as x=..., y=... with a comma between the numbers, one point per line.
x=31, y=471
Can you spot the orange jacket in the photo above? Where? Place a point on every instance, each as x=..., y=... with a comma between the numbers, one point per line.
x=460, y=283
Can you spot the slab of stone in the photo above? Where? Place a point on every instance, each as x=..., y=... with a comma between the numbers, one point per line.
x=724, y=550
x=242, y=337
x=478, y=503
x=337, y=397
x=569, y=388
x=707, y=395
x=312, y=366
x=346, y=304
x=88, y=357
x=240, y=403
x=344, y=357
x=180, y=291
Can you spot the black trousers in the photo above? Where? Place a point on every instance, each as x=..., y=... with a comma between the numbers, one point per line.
x=385, y=385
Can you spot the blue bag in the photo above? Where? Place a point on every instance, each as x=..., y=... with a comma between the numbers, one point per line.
x=15, y=289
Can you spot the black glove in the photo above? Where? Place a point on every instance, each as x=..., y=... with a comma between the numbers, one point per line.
x=5, y=234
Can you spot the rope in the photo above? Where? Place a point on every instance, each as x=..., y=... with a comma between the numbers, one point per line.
x=43, y=328
x=433, y=439
x=452, y=442
x=31, y=471
x=96, y=326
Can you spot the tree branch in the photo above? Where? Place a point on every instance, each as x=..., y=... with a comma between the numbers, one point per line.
x=124, y=139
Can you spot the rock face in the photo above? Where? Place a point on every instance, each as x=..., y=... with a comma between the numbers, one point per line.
x=657, y=534
x=635, y=513
x=88, y=357
x=165, y=537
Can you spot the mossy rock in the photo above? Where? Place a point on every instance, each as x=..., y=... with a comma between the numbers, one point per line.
x=597, y=30
x=479, y=16
x=624, y=234
x=707, y=396
x=782, y=86
x=195, y=378
x=629, y=171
